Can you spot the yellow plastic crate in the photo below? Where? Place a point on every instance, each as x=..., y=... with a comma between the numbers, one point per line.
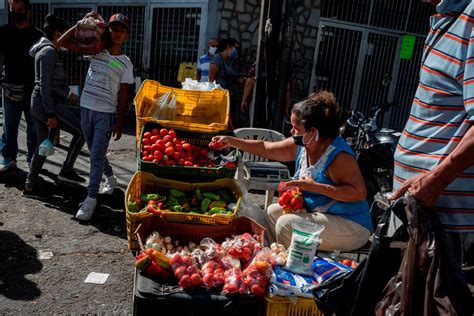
x=187, y=70
x=195, y=110
x=281, y=306
x=143, y=182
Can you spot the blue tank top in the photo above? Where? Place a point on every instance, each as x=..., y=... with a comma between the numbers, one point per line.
x=354, y=211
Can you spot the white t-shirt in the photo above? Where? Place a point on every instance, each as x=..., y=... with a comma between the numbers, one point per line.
x=106, y=73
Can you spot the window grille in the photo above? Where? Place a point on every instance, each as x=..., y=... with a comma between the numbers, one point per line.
x=175, y=40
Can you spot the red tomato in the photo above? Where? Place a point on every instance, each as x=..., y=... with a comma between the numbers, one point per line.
x=187, y=147
x=151, y=157
x=178, y=147
x=146, y=158
x=163, y=132
x=176, y=155
x=158, y=155
x=145, y=141
x=169, y=144
x=203, y=152
x=347, y=262
x=180, y=271
x=161, y=142
x=154, y=147
x=145, y=154
x=196, y=279
x=171, y=162
x=169, y=151
x=257, y=289
x=185, y=281
x=147, y=148
x=172, y=133
x=146, y=135
x=153, y=139
x=188, y=163
x=180, y=162
x=155, y=131
x=167, y=138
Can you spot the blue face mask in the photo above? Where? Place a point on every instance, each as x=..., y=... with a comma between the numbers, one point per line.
x=234, y=53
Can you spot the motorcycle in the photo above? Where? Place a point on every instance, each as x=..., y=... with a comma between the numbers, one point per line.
x=374, y=149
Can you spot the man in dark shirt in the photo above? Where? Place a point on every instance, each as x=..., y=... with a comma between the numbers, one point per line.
x=18, y=80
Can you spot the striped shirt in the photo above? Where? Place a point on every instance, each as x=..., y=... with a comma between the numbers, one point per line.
x=203, y=67
x=441, y=113
x=106, y=73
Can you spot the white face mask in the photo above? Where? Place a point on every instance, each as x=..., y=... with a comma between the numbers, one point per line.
x=212, y=50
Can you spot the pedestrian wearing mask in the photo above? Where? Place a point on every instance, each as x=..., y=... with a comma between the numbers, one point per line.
x=18, y=81
x=204, y=60
x=222, y=71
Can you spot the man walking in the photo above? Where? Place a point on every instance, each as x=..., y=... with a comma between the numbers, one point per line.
x=18, y=81
x=435, y=156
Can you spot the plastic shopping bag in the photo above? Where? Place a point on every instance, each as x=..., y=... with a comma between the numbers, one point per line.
x=46, y=148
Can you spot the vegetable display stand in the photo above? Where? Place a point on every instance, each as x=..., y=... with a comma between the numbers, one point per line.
x=184, y=173
x=206, y=111
x=144, y=183
x=152, y=297
x=195, y=233
x=281, y=306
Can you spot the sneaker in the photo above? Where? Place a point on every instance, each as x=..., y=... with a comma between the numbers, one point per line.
x=110, y=185
x=70, y=177
x=86, y=209
x=35, y=193
x=7, y=164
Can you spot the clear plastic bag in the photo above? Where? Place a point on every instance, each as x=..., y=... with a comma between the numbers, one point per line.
x=46, y=147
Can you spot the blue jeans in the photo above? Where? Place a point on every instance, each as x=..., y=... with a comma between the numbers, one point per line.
x=97, y=128
x=12, y=111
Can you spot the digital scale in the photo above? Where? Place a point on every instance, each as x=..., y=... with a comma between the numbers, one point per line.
x=267, y=171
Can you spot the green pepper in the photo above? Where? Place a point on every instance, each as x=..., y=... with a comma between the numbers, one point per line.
x=205, y=204
x=133, y=207
x=216, y=210
x=198, y=194
x=194, y=209
x=177, y=194
x=217, y=204
x=212, y=196
x=225, y=196
x=177, y=208
x=149, y=197
x=172, y=200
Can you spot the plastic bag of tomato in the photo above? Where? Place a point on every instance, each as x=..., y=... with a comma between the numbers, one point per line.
x=183, y=155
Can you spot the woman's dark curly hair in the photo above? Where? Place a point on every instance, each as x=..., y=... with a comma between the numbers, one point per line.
x=321, y=111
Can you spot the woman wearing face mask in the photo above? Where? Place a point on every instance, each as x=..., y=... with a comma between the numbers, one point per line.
x=222, y=71
x=326, y=172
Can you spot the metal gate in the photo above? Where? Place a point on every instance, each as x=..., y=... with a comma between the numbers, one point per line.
x=357, y=54
x=177, y=35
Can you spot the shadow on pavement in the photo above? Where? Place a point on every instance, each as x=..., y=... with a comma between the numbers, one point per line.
x=109, y=215
x=17, y=259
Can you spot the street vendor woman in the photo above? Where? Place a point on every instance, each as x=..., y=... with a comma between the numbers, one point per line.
x=326, y=172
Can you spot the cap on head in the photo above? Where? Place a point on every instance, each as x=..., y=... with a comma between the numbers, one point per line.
x=120, y=18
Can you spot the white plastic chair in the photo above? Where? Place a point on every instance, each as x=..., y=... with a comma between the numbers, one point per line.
x=249, y=160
